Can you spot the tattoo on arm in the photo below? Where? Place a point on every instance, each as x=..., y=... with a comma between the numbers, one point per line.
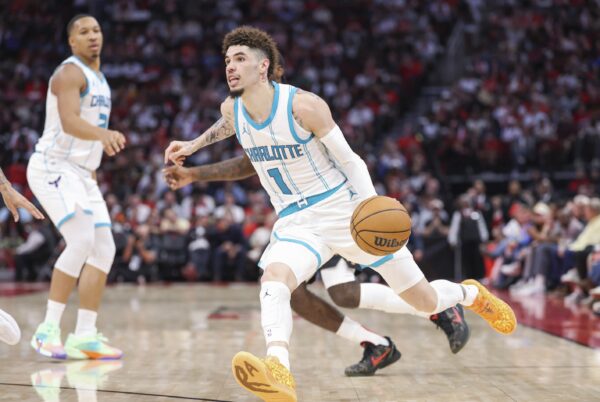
x=217, y=132
x=227, y=170
x=296, y=116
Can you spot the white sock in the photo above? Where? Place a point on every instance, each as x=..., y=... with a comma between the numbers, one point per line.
x=87, y=395
x=276, y=314
x=86, y=322
x=353, y=331
x=383, y=298
x=54, y=312
x=470, y=293
x=280, y=352
x=449, y=294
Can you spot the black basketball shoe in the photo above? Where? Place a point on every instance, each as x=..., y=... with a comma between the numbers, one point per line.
x=452, y=322
x=375, y=357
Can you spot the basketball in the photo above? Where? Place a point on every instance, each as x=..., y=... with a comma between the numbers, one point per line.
x=380, y=225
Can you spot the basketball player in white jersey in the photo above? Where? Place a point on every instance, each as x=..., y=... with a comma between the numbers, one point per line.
x=339, y=279
x=62, y=175
x=315, y=182
x=9, y=329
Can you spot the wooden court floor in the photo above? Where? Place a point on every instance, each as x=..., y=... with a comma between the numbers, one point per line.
x=178, y=342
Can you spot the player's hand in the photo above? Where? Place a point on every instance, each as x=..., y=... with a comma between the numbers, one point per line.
x=177, y=176
x=177, y=151
x=14, y=200
x=113, y=142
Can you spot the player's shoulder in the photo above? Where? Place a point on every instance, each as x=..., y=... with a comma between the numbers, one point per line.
x=68, y=74
x=227, y=106
x=306, y=101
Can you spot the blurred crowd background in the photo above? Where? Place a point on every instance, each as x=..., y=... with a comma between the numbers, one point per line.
x=482, y=118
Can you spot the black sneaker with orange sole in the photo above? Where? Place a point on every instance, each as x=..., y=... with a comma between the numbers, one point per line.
x=375, y=357
x=452, y=322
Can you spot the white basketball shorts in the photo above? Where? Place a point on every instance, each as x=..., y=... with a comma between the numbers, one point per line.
x=60, y=186
x=307, y=239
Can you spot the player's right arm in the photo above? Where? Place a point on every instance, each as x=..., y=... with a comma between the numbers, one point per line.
x=231, y=169
x=177, y=151
x=67, y=84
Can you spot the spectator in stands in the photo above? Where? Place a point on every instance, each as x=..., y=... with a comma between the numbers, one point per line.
x=467, y=233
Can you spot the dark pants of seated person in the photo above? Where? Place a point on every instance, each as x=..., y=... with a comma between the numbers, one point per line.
x=581, y=261
x=222, y=261
x=545, y=262
x=27, y=265
x=472, y=261
x=200, y=259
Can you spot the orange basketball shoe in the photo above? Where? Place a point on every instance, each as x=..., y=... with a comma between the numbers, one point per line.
x=495, y=311
x=266, y=378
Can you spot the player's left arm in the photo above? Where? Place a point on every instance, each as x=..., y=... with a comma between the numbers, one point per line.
x=314, y=115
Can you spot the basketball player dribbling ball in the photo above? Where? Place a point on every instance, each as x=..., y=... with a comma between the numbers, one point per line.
x=339, y=279
x=9, y=329
x=61, y=174
x=315, y=182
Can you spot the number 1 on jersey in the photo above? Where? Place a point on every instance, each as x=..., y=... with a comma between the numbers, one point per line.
x=276, y=175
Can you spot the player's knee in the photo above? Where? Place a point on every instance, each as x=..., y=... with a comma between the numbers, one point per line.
x=345, y=295
x=104, y=251
x=280, y=273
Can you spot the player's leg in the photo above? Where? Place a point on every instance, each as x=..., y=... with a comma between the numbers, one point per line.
x=317, y=311
x=86, y=342
x=78, y=234
x=347, y=292
x=9, y=329
x=289, y=260
x=405, y=278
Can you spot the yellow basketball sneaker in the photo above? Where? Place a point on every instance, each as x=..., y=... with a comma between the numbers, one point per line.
x=495, y=311
x=266, y=378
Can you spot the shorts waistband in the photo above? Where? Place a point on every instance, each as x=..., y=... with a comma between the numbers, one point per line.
x=309, y=201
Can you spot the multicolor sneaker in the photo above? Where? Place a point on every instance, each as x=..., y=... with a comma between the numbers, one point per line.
x=452, y=322
x=91, y=347
x=375, y=357
x=496, y=312
x=9, y=329
x=266, y=378
x=47, y=383
x=46, y=341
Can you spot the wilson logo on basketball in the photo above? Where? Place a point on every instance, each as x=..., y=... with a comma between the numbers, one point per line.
x=383, y=242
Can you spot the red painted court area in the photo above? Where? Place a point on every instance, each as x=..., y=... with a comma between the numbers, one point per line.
x=551, y=315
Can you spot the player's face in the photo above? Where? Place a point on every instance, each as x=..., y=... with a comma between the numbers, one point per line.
x=86, y=38
x=243, y=67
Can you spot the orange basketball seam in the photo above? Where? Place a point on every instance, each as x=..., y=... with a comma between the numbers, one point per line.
x=360, y=207
x=378, y=212
x=384, y=231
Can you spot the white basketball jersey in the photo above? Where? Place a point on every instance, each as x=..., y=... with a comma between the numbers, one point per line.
x=95, y=109
x=293, y=165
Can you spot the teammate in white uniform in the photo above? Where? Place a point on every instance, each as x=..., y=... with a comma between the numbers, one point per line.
x=9, y=329
x=61, y=174
x=315, y=181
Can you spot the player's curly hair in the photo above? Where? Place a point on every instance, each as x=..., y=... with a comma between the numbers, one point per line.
x=254, y=38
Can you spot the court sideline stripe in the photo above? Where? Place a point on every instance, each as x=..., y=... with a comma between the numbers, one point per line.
x=124, y=392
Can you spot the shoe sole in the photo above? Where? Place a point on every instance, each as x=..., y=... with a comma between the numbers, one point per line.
x=77, y=354
x=9, y=329
x=506, y=323
x=252, y=374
